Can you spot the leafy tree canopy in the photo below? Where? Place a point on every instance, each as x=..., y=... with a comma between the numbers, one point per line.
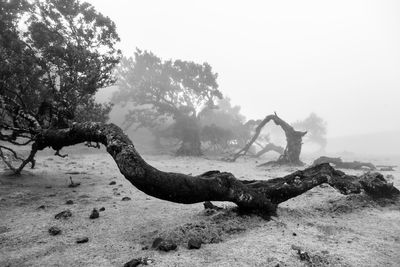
x=55, y=55
x=158, y=89
x=167, y=91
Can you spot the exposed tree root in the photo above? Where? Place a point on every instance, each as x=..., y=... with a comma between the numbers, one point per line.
x=213, y=185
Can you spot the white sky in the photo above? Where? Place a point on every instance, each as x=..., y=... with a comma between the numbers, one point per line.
x=340, y=59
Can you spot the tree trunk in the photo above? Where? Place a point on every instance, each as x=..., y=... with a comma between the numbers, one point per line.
x=191, y=147
x=291, y=154
x=213, y=185
x=188, y=129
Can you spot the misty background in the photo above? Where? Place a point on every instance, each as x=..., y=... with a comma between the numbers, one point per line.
x=338, y=59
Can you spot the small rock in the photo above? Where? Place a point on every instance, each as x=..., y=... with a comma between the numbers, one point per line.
x=63, y=215
x=112, y=183
x=95, y=214
x=81, y=240
x=102, y=209
x=294, y=234
x=54, y=230
x=126, y=198
x=156, y=242
x=48, y=187
x=133, y=263
x=145, y=248
x=194, y=243
x=69, y=202
x=138, y=261
x=41, y=207
x=167, y=245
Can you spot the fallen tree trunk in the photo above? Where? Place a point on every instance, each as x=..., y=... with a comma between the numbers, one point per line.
x=339, y=163
x=291, y=154
x=213, y=185
x=270, y=147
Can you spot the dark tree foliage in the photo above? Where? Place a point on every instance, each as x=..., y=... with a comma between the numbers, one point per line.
x=164, y=91
x=55, y=55
x=316, y=128
x=223, y=127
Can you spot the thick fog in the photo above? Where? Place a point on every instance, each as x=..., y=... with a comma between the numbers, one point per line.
x=339, y=59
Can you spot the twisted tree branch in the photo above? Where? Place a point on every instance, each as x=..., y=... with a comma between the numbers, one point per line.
x=212, y=185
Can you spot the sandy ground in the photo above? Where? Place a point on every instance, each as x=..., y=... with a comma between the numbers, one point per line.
x=333, y=229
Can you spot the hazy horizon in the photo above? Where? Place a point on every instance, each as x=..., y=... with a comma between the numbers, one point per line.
x=340, y=59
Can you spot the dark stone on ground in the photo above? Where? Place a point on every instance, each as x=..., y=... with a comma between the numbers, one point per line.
x=54, y=230
x=126, y=198
x=95, y=214
x=112, y=183
x=81, y=240
x=294, y=234
x=156, y=242
x=41, y=207
x=133, y=263
x=63, y=215
x=102, y=209
x=145, y=248
x=138, y=261
x=194, y=243
x=167, y=245
x=69, y=202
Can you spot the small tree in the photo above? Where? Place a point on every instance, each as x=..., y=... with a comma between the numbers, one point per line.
x=51, y=68
x=161, y=91
x=316, y=128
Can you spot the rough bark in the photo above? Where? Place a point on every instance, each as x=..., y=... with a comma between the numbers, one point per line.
x=213, y=185
x=339, y=163
x=291, y=154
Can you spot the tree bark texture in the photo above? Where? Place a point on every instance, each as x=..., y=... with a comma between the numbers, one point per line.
x=213, y=185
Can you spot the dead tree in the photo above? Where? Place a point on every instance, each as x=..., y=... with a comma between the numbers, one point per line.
x=291, y=154
x=339, y=163
x=251, y=195
x=269, y=147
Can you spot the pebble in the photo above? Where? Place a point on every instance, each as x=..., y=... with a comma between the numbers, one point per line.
x=63, y=215
x=95, y=214
x=81, y=240
x=54, y=230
